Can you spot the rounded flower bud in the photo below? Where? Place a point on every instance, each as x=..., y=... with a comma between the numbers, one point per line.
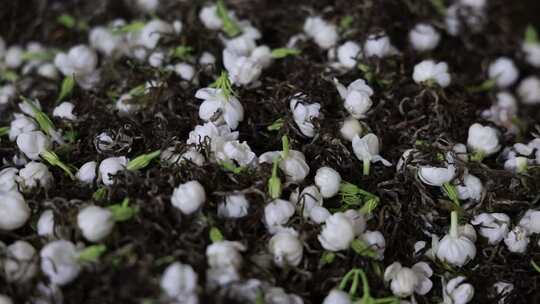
x=87, y=172
x=96, y=223
x=15, y=211
x=348, y=53
x=21, y=124
x=405, y=281
x=59, y=262
x=45, y=224
x=531, y=221
x=517, y=240
x=188, y=197
x=34, y=174
x=350, y=128
x=337, y=233
x=286, y=248
x=20, y=262
x=457, y=292
x=8, y=179
x=337, y=296
x=429, y=70
x=304, y=114
x=503, y=71
x=379, y=45
x=33, y=143
x=472, y=188
x=234, y=206
x=424, y=37
x=277, y=213
x=324, y=33
x=209, y=17
x=493, y=226
x=529, y=90
x=65, y=111
x=483, y=139
x=109, y=167
x=375, y=240
x=328, y=180
x=179, y=280
x=225, y=254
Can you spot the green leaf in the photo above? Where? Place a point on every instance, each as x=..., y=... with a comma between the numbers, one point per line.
x=8, y=75
x=259, y=298
x=142, y=161
x=483, y=87
x=535, y=266
x=181, y=52
x=285, y=52
x=67, y=87
x=66, y=20
x=216, y=235
x=285, y=146
x=276, y=125
x=129, y=28
x=328, y=257
x=40, y=56
x=44, y=122
x=451, y=191
x=91, y=253
x=100, y=194
x=229, y=166
x=229, y=25
x=531, y=36
x=438, y=5
x=361, y=248
x=224, y=84
x=346, y=22
x=54, y=160
x=4, y=131
x=123, y=212
x=274, y=182
x=138, y=90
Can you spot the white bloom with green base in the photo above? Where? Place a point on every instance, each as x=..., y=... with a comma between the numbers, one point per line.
x=356, y=97
x=376, y=242
x=483, y=141
x=304, y=114
x=405, y=281
x=286, y=248
x=429, y=71
x=457, y=247
x=366, y=149
x=220, y=108
x=337, y=233
x=293, y=164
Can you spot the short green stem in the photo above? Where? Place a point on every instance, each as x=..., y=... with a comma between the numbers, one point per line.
x=366, y=166
x=454, y=224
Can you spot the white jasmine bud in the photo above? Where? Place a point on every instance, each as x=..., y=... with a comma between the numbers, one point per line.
x=59, y=262
x=15, y=211
x=126, y=106
x=225, y=254
x=356, y=97
x=304, y=114
x=234, y=206
x=103, y=40
x=322, y=32
x=405, y=281
x=472, y=188
x=529, y=90
x=243, y=70
x=348, y=53
x=430, y=71
x=185, y=71
x=215, y=103
x=483, y=139
x=456, y=248
x=87, y=172
x=156, y=59
x=379, y=45
x=517, y=240
x=376, y=242
x=147, y=6
x=503, y=112
x=366, y=149
x=179, y=281
x=151, y=33
x=310, y=198
x=207, y=59
x=493, y=226
x=218, y=135
x=293, y=164
x=20, y=262
x=337, y=233
x=34, y=174
x=95, y=222
x=109, y=167
x=80, y=62
x=503, y=71
x=532, y=53
x=457, y=292
x=438, y=176
x=350, y=128
x=424, y=37
x=337, y=296
x=48, y=70
x=328, y=180
x=531, y=221
x=188, y=197
x=277, y=213
x=8, y=180
x=33, y=143
x=319, y=214
x=13, y=57
x=65, y=111
x=262, y=55
x=45, y=224
x=7, y=93
x=358, y=221
x=238, y=152
x=286, y=248
x=209, y=17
